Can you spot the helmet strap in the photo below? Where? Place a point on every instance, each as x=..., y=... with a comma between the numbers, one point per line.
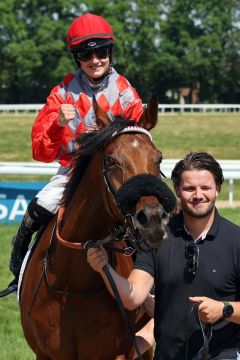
x=97, y=81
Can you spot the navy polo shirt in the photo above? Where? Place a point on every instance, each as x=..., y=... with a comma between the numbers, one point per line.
x=217, y=277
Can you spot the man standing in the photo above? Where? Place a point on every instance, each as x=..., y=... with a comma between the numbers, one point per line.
x=196, y=271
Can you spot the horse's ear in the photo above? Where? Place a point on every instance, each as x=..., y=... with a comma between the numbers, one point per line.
x=149, y=117
x=102, y=118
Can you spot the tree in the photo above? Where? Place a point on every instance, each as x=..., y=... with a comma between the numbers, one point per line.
x=33, y=48
x=200, y=44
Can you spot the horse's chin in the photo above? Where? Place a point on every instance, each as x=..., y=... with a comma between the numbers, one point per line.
x=151, y=225
x=152, y=238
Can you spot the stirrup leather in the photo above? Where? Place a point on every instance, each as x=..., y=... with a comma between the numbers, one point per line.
x=12, y=287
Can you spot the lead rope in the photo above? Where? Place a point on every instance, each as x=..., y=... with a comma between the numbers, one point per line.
x=122, y=310
x=206, y=330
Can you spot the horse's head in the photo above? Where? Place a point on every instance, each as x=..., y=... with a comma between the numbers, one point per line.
x=133, y=175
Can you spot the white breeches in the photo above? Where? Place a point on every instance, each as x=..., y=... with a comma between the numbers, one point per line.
x=50, y=196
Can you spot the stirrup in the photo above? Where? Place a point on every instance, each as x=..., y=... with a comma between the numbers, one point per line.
x=12, y=287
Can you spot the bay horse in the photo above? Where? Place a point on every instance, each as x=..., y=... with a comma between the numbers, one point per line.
x=66, y=311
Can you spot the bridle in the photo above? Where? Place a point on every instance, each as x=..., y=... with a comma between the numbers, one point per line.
x=110, y=188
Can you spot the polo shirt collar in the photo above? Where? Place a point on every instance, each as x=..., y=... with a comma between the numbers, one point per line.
x=177, y=224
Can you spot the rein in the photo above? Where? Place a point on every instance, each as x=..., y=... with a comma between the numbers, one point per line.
x=45, y=276
x=128, y=251
x=122, y=311
x=72, y=245
x=110, y=192
x=121, y=231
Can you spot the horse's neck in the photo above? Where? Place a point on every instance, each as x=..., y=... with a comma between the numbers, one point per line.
x=86, y=217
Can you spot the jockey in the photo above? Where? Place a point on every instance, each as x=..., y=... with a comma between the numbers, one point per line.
x=67, y=113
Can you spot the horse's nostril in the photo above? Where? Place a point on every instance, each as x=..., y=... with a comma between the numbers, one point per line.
x=142, y=218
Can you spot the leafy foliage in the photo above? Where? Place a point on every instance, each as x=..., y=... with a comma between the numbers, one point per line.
x=161, y=45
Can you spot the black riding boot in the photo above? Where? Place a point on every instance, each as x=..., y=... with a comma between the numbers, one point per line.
x=21, y=242
x=34, y=218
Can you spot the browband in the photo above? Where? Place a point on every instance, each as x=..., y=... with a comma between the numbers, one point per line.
x=134, y=129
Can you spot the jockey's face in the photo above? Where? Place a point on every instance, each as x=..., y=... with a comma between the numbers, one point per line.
x=95, y=67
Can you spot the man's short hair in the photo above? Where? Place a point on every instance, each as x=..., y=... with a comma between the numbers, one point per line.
x=198, y=161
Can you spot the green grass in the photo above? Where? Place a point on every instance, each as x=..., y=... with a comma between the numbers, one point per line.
x=232, y=214
x=16, y=142
x=13, y=345
x=218, y=134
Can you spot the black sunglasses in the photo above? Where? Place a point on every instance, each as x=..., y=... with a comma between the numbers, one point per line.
x=102, y=53
x=192, y=256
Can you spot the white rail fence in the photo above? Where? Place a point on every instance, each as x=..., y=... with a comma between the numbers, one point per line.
x=163, y=108
x=231, y=171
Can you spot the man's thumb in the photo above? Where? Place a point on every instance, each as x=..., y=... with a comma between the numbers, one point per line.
x=196, y=299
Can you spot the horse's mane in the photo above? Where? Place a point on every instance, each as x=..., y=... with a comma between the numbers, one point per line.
x=89, y=143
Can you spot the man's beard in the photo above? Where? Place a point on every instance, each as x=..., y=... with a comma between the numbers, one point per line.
x=200, y=213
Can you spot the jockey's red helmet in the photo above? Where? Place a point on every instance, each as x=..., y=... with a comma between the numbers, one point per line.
x=87, y=27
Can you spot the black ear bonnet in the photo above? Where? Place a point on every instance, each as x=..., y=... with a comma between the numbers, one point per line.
x=144, y=185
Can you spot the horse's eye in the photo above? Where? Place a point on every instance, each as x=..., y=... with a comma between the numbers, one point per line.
x=159, y=160
x=109, y=161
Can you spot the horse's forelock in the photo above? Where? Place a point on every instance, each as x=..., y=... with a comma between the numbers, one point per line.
x=96, y=140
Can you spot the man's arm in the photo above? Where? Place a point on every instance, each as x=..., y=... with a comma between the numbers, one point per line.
x=145, y=338
x=133, y=291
